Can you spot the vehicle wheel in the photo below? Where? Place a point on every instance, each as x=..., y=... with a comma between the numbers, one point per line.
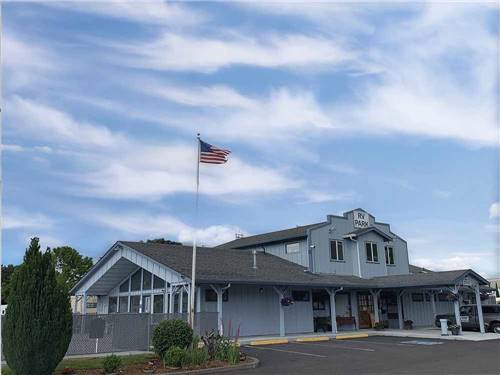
x=495, y=327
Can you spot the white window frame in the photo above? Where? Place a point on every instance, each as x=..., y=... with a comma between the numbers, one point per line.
x=294, y=251
x=371, y=244
x=388, y=250
x=336, y=248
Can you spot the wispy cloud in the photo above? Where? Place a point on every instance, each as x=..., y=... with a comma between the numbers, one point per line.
x=15, y=218
x=313, y=196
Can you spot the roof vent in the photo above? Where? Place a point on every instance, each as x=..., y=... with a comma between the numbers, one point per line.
x=254, y=253
x=239, y=235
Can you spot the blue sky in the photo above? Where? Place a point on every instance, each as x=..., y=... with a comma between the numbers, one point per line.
x=326, y=107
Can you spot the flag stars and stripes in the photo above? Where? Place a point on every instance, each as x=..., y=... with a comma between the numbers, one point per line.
x=212, y=154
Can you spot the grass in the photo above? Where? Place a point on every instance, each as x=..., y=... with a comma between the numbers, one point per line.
x=92, y=363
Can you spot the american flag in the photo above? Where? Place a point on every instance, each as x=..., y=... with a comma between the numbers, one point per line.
x=212, y=154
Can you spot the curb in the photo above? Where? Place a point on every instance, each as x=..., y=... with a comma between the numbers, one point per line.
x=217, y=370
x=268, y=342
x=352, y=336
x=313, y=339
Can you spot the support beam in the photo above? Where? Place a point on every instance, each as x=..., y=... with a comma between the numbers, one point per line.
x=220, y=292
x=456, y=305
x=479, y=309
x=281, y=295
x=354, y=308
x=172, y=295
x=400, y=295
x=375, y=294
x=433, y=303
x=181, y=297
x=198, y=299
x=84, y=303
x=333, y=313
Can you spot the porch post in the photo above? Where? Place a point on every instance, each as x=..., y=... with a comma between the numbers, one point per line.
x=433, y=303
x=84, y=303
x=189, y=291
x=198, y=299
x=354, y=308
x=282, y=311
x=400, y=308
x=456, y=305
x=479, y=308
x=375, y=304
x=172, y=294
x=333, y=312
x=181, y=297
x=218, y=290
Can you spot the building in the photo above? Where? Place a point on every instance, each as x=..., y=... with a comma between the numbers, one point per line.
x=291, y=281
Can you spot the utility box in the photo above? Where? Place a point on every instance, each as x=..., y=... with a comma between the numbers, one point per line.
x=444, y=327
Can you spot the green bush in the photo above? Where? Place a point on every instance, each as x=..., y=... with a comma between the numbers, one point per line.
x=111, y=364
x=196, y=357
x=36, y=330
x=175, y=357
x=170, y=333
x=233, y=354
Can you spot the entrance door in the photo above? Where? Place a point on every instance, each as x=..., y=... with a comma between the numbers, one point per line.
x=321, y=311
x=365, y=308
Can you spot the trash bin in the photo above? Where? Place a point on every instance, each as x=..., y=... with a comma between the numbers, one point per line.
x=444, y=327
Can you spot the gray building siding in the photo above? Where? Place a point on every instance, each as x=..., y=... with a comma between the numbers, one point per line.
x=279, y=249
x=421, y=312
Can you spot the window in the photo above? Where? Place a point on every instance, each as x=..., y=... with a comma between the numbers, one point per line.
x=123, y=306
x=211, y=296
x=158, y=304
x=300, y=295
x=113, y=305
x=371, y=252
x=292, y=248
x=135, y=281
x=124, y=286
x=146, y=280
x=176, y=303
x=491, y=309
x=158, y=283
x=389, y=255
x=417, y=297
x=135, y=303
x=185, y=300
x=336, y=250
x=146, y=304
x=443, y=297
x=427, y=297
x=319, y=305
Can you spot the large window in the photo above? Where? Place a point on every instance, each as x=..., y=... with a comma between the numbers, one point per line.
x=158, y=283
x=113, y=305
x=389, y=255
x=135, y=281
x=336, y=250
x=292, y=248
x=158, y=304
x=124, y=286
x=185, y=300
x=371, y=252
x=146, y=280
x=146, y=303
x=123, y=307
x=135, y=304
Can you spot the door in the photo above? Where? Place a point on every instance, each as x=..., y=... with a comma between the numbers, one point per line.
x=365, y=308
x=321, y=311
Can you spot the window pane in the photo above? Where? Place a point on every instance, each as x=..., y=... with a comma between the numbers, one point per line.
x=158, y=304
x=210, y=295
x=292, y=248
x=340, y=251
x=123, y=305
x=158, y=283
x=369, y=252
x=391, y=255
x=176, y=303
x=146, y=280
x=375, y=252
x=135, y=281
x=146, y=303
x=300, y=295
x=185, y=300
x=112, y=305
x=333, y=251
x=135, y=302
x=124, y=287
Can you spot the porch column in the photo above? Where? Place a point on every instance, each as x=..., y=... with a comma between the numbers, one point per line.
x=456, y=305
x=354, y=308
x=181, y=297
x=219, y=291
x=479, y=308
x=75, y=310
x=375, y=304
x=433, y=302
x=198, y=299
x=333, y=312
x=84, y=303
x=282, y=311
x=172, y=294
x=400, y=308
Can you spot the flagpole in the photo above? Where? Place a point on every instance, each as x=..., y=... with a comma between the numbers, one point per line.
x=193, y=265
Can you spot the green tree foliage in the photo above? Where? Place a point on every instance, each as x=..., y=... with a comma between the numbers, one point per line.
x=70, y=265
x=37, y=328
x=164, y=241
x=7, y=272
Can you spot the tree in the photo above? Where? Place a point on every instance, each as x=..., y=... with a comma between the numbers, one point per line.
x=70, y=265
x=37, y=328
x=7, y=272
x=164, y=241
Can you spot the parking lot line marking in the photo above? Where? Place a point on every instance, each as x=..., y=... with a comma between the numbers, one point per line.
x=336, y=346
x=287, y=351
x=382, y=343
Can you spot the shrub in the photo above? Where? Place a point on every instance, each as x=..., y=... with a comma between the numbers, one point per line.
x=175, y=356
x=37, y=328
x=379, y=325
x=111, y=364
x=170, y=333
x=196, y=357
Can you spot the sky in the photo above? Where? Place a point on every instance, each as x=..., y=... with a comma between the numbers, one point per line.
x=326, y=107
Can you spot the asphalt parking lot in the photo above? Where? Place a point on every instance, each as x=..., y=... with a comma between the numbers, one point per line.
x=378, y=355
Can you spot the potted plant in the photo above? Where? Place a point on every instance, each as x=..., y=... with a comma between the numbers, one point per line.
x=287, y=301
x=455, y=329
x=149, y=368
x=408, y=324
x=379, y=326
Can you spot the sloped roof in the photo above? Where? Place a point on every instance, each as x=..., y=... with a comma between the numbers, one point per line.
x=360, y=232
x=266, y=238
x=425, y=279
x=416, y=269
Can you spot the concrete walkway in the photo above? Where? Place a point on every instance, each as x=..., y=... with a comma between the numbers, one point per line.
x=434, y=333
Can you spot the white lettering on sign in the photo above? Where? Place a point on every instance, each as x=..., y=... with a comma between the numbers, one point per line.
x=361, y=219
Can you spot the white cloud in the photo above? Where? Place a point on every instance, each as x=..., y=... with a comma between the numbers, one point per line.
x=40, y=121
x=14, y=218
x=441, y=194
x=495, y=210
x=322, y=197
x=180, y=52
x=161, y=13
x=456, y=261
x=19, y=148
x=143, y=226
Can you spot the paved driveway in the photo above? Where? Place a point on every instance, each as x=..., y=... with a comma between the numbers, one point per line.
x=378, y=355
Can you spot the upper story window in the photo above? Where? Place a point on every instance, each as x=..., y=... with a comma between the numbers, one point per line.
x=291, y=248
x=371, y=252
x=336, y=250
x=389, y=255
